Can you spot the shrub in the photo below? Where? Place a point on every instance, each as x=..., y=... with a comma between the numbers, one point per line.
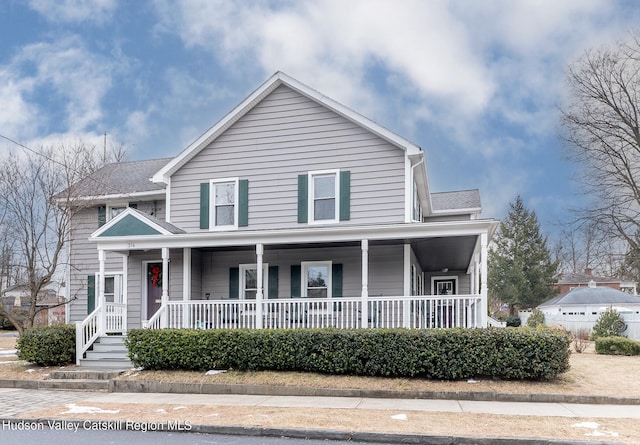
x=580, y=340
x=48, y=345
x=535, y=319
x=610, y=323
x=617, y=346
x=514, y=321
x=436, y=354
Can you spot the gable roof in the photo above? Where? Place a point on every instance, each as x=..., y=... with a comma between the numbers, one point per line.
x=446, y=202
x=598, y=295
x=121, y=180
x=278, y=79
x=133, y=222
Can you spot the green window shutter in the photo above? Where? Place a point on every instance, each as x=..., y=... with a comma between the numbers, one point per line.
x=345, y=195
x=303, y=196
x=204, y=205
x=243, y=203
x=234, y=283
x=102, y=216
x=91, y=293
x=336, y=280
x=296, y=285
x=273, y=282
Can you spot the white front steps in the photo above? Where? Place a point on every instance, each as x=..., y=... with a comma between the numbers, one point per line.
x=108, y=351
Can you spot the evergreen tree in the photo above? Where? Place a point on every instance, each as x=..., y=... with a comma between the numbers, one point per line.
x=521, y=271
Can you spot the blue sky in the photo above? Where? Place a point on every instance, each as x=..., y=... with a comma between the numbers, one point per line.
x=476, y=84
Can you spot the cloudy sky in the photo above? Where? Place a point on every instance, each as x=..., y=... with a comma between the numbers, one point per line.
x=476, y=84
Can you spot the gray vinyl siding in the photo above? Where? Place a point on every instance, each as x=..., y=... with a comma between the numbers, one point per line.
x=84, y=256
x=283, y=136
x=385, y=269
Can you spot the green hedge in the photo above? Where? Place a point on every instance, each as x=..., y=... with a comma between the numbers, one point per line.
x=48, y=345
x=617, y=346
x=436, y=354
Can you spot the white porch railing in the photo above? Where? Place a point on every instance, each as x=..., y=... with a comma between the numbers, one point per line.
x=87, y=332
x=417, y=312
x=110, y=320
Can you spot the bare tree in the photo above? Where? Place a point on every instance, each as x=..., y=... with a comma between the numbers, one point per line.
x=38, y=201
x=581, y=246
x=602, y=123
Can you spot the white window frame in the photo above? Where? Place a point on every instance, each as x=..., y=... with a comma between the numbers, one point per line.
x=311, y=201
x=416, y=210
x=213, y=226
x=115, y=205
x=117, y=286
x=453, y=278
x=242, y=282
x=305, y=267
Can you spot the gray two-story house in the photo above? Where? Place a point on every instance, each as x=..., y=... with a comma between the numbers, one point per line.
x=293, y=211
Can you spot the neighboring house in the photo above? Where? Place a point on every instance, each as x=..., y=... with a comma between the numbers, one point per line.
x=569, y=281
x=292, y=211
x=49, y=303
x=581, y=307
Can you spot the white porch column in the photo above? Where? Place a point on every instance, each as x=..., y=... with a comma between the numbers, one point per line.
x=101, y=300
x=125, y=292
x=186, y=285
x=484, y=295
x=259, y=290
x=364, y=244
x=406, y=313
x=164, y=321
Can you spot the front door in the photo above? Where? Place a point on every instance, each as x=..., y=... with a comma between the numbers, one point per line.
x=154, y=288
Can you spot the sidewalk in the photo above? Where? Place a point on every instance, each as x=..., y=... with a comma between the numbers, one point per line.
x=213, y=412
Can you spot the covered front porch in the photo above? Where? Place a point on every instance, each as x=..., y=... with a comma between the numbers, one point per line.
x=416, y=276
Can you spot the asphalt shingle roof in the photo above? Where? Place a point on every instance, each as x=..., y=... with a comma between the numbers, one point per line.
x=600, y=295
x=121, y=178
x=461, y=199
x=165, y=225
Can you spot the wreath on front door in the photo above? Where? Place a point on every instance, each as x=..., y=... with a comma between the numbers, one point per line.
x=155, y=275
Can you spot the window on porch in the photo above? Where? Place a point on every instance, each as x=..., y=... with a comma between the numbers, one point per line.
x=112, y=287
x=317, y=279
x=249, y=281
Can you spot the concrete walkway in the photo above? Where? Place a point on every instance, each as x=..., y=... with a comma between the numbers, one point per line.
x=14, y=402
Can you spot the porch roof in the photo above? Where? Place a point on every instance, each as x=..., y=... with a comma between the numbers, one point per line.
x=438, y=245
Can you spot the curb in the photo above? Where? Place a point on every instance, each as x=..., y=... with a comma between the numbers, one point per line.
x=266, y=390
x=142, y=386
x=346, y=436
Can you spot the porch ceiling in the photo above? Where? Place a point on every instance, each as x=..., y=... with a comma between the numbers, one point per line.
x=434, y=254
x=437, y=254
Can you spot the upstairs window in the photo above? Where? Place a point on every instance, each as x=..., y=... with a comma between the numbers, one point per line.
x=324, y=197
x=224, y=203
x=107, y=213
x=417, y=207
x=324, y=193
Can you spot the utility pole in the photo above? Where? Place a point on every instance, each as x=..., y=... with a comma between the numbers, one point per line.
x=104, y=149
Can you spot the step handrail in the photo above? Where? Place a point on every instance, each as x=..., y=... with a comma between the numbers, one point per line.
x=87, y=332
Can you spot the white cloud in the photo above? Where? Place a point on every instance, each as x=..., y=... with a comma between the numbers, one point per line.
x=61, y=77
x=452, y=62
x=75, y=11
x=18, y=118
